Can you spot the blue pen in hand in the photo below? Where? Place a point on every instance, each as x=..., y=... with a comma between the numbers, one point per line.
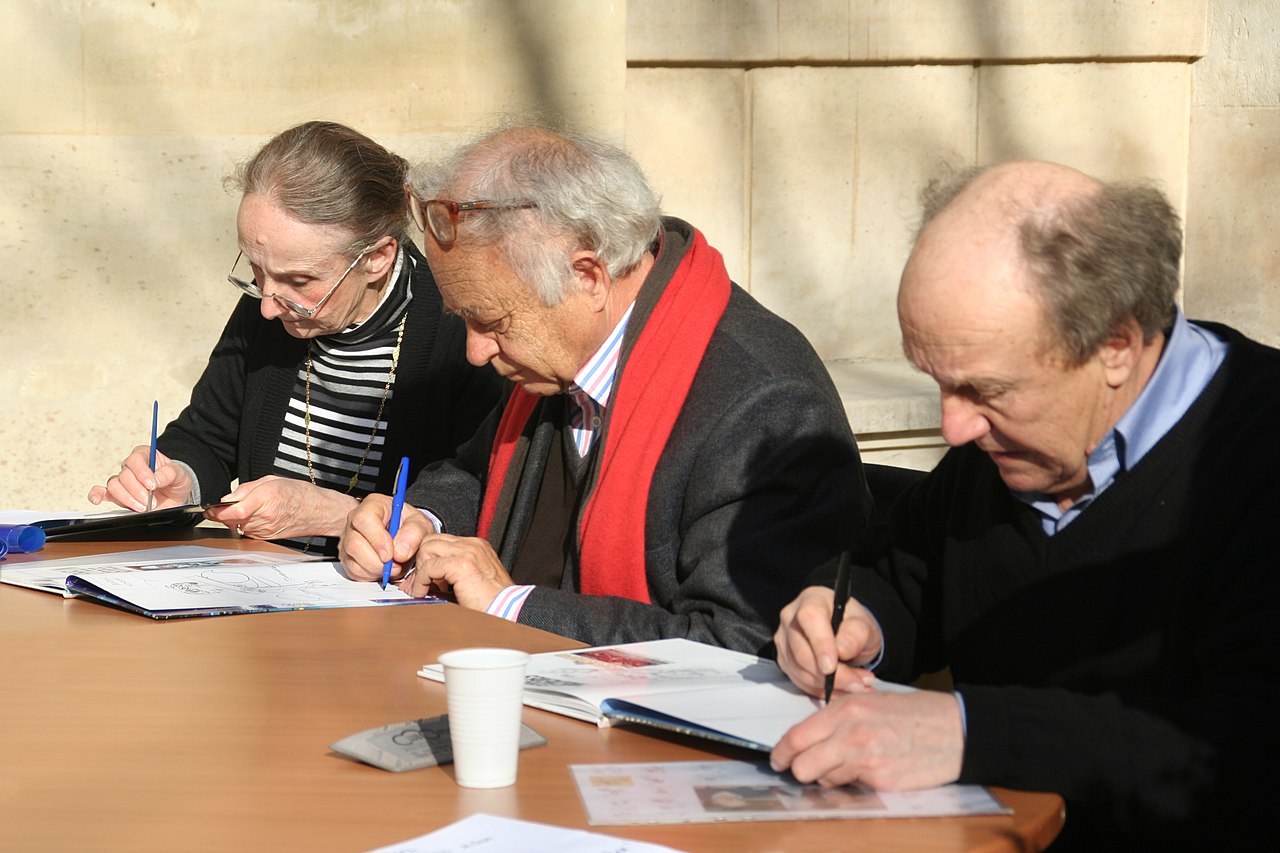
x=397, y=504
x=151, y=460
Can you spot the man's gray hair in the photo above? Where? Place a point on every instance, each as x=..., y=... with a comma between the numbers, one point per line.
x=1097, y=260
x=589, y=195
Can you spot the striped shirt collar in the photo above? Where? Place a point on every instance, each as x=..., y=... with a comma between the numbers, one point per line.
x=593, y=386
x=391, y=306
x=595, y=379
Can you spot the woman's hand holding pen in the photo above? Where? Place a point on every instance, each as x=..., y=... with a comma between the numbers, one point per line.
x=274, y=507
x=129, y=489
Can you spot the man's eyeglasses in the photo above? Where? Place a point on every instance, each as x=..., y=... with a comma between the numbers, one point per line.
x=251, y=287
x=440, y=215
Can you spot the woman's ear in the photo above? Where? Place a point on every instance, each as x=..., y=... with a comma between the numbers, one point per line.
x=382, y=259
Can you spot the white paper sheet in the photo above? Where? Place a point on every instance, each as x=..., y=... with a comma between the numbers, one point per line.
x=714, y=791
x=31, y=516
x=482, y=833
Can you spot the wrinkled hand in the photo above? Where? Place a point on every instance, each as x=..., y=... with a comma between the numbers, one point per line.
x=808, y=651
x=888, y=741
x=274, y=507
x=366, y=545
x=423, y=560
x=467, y=564
x=129, y=488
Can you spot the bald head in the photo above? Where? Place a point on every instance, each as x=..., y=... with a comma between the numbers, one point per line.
x=1035, y=297
x=1020, y=188
x=1092, y=255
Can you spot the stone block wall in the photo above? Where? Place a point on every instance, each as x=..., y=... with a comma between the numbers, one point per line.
x=794, y=133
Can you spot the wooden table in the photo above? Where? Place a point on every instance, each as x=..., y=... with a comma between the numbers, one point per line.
x=120, y=733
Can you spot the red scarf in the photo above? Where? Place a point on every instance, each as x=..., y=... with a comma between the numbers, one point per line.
x=648, y=395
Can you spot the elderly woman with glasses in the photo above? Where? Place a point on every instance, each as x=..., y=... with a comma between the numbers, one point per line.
x=338, y=361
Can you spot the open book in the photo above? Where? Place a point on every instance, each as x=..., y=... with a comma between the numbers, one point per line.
x=678, y=685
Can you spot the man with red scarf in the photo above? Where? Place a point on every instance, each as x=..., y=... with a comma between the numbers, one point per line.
x=671, y=459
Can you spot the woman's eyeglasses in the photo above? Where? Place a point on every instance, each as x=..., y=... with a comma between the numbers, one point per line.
x=251, y=287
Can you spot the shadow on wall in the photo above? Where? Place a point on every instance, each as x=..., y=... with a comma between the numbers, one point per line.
x=115, y=231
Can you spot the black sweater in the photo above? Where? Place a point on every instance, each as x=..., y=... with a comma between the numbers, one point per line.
x=231, y=428
x=1131, y=662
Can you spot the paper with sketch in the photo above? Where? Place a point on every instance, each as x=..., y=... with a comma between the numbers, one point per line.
x=675, y=684
x=51, y=575
x=234, y=585
x=482, y=833
x=713, y=791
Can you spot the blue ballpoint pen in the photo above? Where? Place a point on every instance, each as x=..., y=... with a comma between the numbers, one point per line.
x=151, y=460
x=397, y=504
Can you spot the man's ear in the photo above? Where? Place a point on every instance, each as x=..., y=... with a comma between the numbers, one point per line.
x=382, y=259
x=1121, y=352
x=591, y=277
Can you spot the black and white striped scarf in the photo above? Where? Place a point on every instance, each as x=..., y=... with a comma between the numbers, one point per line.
x=348, y=374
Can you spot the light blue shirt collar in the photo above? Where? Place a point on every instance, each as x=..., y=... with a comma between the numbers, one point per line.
x=1192, y=355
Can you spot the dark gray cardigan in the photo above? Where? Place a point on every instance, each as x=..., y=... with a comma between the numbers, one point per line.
x=759, y=483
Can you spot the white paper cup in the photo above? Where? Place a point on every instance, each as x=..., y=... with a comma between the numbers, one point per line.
x=484, y=687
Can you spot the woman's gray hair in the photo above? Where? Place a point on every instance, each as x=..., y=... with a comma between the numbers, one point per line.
x=1097, y=260
x=589, y=195
x=324, y=173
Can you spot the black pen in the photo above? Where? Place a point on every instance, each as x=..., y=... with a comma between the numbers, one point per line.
x=837, y=615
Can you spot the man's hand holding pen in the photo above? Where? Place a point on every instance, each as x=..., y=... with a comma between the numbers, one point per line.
x=424, y=561
x=809, y=651
x=883, y=739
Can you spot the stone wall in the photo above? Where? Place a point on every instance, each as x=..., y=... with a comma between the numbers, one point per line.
x=794, y=133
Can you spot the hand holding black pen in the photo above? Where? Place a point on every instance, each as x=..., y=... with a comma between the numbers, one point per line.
x=837, y=616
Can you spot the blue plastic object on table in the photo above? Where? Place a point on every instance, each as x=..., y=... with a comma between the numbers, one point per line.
x=21, y=538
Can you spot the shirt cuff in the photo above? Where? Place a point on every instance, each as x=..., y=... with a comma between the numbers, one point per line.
x=507, y=603
x=964, y=717
x=194, y=497
x=871, y=665
x=434, y=519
